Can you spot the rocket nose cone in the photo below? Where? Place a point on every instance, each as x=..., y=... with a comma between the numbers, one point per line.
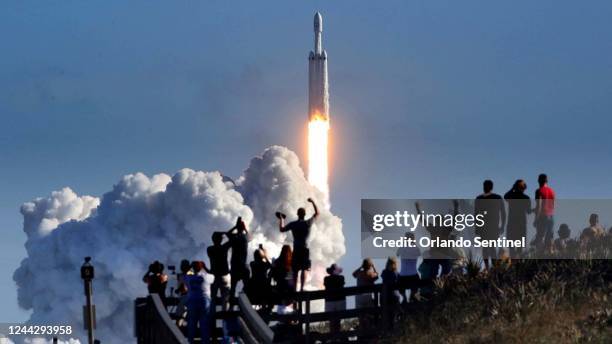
x=318, y=22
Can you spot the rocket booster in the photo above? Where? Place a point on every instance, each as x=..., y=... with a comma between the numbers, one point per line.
x=318, y=88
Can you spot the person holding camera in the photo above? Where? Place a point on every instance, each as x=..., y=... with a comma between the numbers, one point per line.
x=239, y=241
x=156, y=280
x=300, y=229
x=217, y=254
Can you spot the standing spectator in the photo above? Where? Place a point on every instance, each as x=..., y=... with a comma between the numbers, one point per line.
x=391, y=296
x=182, y=290
x=594, y=231
x=239, y=271
x=217, y=253
x=334, y=282
x=198, y=302
x=185, y=268
x=519, y=206
x=156, y=280
x=259, y=284
x=544, y=214
x=366, y=275
x=492, y=207
x=437, y=259
x=390, y=278
x=282, y=273
x=301, y=231
x=409, y=277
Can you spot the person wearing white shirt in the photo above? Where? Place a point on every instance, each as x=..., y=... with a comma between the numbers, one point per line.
x=198, y=302
x=409, y=277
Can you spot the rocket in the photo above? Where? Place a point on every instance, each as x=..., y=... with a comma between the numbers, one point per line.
x=318, y=88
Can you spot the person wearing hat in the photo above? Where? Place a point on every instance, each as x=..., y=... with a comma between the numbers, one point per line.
x=334, y=283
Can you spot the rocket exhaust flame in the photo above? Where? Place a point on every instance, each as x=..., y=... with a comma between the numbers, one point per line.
x=318, y=129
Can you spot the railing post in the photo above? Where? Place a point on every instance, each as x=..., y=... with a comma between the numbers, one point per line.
x=385, y=306
x=307, y=329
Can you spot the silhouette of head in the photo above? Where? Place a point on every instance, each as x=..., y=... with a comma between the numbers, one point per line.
x=197, y=266
x=542, y=179
x=594, y=219
x=301, y=213
x=391, y=264
x=520, y=185
x=367, y=264
x=217, y=237
x=564, y=231
x=185, y=266
x=487, y=186
x=240, y=225
x=257, y=255
x=334, y=269
x=156, y=267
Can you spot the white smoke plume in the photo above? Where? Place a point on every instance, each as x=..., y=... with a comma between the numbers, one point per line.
x=163, y=218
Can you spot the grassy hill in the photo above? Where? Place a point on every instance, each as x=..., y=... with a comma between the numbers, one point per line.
x=529, y=301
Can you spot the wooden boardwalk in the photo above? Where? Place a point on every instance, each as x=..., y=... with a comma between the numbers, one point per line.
x=156, y=322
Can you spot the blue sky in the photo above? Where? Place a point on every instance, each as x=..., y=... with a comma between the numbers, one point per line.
x=427, y=97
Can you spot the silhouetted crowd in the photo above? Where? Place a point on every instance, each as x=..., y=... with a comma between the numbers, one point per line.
x=272, y=282
x=201, y=288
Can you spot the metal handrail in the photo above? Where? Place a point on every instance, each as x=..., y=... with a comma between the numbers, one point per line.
x=263, y=332
x=153, y=324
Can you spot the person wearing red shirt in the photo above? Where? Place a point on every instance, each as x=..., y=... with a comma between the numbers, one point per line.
x=544, y=213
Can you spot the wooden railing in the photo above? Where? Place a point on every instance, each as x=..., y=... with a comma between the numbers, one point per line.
x=154, y=324
x=305, y=317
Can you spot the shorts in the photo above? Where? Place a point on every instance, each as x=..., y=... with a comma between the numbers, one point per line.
x=300, y=259
x=221, y=284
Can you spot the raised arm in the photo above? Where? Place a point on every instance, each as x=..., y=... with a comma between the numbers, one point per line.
x=316, y=210
x=206, y=268
x=229, y=231
x=145, y=278
x=281, y=222
x=240, y=225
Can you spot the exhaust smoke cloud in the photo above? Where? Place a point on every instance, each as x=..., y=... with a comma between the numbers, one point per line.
x=166, y=218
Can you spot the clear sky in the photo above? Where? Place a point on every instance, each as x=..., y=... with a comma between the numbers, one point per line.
x=427, y=97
